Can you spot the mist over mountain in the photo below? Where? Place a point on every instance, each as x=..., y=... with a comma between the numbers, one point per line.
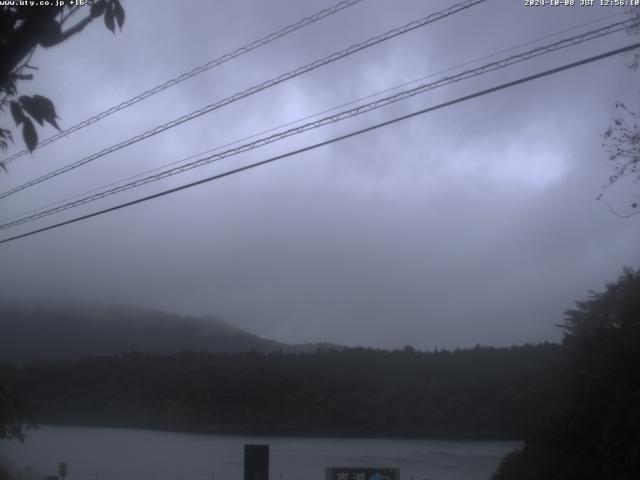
x=72, y=331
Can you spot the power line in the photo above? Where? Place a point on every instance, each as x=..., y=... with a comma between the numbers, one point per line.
x=340, y=116
x=499, y=64
x=352, y=102
x=255, y=89
x=196, y=71
x=307, y=117
x=330, y=141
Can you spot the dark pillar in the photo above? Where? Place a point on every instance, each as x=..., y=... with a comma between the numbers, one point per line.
x=256, y=462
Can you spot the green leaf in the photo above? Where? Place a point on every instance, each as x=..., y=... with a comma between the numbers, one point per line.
x=49, y=33
x=119, y=13
x=10, y=86
x=31, y=108
x=109, y=18
x=47, y=109
x=40, y=108
x=5, y=136
x=4, y=133
x=29, y=134
x=16, y=112
x=98, y=8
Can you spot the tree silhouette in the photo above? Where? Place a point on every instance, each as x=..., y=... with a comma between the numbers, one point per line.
x=622, y=143
x=622, y=138
x=12, y=413
x=597, y=434
x=24, y=29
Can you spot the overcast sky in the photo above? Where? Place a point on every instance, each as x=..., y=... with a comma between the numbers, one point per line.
x=473, y=224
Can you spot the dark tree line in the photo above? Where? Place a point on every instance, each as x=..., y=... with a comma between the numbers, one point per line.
x=576, y=404
x=480, y=392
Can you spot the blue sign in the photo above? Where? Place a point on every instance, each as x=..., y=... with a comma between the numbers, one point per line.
x=365, y=473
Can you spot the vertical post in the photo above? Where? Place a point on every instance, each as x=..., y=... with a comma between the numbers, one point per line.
x=256, y=462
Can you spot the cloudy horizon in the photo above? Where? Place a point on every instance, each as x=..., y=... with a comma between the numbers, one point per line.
x=473, y=224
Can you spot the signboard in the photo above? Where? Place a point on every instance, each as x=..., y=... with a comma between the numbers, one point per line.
x=365, y=473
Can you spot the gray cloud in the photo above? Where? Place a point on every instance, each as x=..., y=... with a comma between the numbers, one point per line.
x=474, y=224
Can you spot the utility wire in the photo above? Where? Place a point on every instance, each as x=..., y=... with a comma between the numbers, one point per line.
x=503, y=63
x=330, y=141
x=255, y=89
x=196, y=71
x=307, y=117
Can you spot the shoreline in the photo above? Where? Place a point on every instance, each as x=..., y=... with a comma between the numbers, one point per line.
x=311, y=436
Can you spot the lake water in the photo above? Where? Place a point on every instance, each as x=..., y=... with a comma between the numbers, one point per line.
x=127, y=454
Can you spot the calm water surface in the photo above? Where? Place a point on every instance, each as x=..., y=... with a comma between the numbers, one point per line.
x=124, y=454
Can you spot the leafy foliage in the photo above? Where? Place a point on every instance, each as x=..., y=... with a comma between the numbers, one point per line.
x=622, y=143
x=622, y=139
x=597, y=436
x=24, y=28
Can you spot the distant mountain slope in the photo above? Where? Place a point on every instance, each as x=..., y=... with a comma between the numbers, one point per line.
x=45, y=333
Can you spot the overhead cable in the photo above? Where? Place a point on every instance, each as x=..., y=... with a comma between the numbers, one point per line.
x=328, y=142
x=255, y=89
x=196, y=71
x=470, y=73
x=307, y=117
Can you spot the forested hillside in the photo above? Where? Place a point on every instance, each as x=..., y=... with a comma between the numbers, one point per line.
x=68, y=332
x=479, y=392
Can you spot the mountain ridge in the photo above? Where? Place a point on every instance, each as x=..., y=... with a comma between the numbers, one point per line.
x=53, y=332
